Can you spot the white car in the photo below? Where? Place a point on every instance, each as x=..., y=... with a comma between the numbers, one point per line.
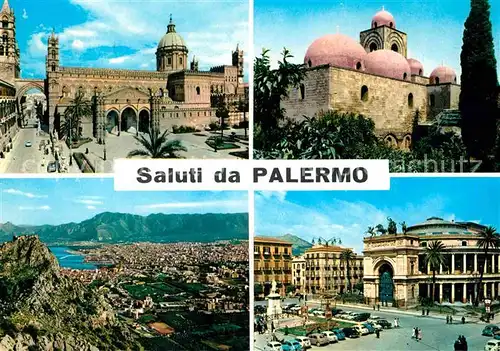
x=332, y=338
x=361, y=329
x=376, y=326
x=319, y=314
x=304, y=341
x=273, y=346
x=492, y=345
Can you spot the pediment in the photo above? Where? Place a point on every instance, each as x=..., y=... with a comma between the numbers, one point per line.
x=127, y=93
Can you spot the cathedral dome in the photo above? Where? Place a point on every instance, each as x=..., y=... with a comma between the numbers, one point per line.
x=171, y=39
x=387, y=63
x=383, y=18
x=416, y=67
x=443, y=74
x=335, y=49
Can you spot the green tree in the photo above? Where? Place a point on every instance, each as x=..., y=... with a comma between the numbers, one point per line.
x=488, y=240
x=391, y=226
x=347, y=256
x=479, y=82
x=156, y=145
x=434, y=258
x=222, y=113
x=242, y=106
x=73, y=115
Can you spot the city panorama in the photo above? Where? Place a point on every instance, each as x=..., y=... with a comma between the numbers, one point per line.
x=413, y=268
x=105, y=81
x=99, y=270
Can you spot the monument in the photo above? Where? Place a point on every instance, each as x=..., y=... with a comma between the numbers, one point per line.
x=273, y=302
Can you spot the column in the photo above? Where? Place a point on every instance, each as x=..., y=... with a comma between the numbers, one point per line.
x=498, y=264
x=464, y=293
x=452, y=263
x=428, y=268
x=475, y=262
x=485, y=267
x=452, y=292
x=485, y=290
x=440, y=269
x=440, y=292
x=492, y=263
x=428, y=290
x=465, y=264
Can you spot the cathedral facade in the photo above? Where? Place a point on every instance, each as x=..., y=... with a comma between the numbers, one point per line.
x=375, y=78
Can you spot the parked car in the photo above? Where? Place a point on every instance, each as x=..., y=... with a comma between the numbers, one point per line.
x=318, y=339
x=492, y=345
x=375, y=325
x=332, y=338
x=273, y=346
x=361, y=329
x=490, y=330
x=361, y=317
x=370, y=327
x=52, y=167
x=292, y=345
x=350, y=333
x=336, y=311
x=320, y=314
x=339, y=334
x=27, y=143
x=384, y=323
x=304, y=341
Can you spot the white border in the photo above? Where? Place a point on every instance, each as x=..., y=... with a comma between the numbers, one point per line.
x=251, y=54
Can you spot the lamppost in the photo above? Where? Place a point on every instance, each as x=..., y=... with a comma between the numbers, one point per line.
x=70, y=144
x=101, y=115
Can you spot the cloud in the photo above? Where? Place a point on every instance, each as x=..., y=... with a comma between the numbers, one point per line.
x=35, y=208
x=92, y=197
x=12, y=191
x=280, y=195
x=88, y=202
x=91, y=207
x=77, y=45
x=226, y=205
x=25, y=14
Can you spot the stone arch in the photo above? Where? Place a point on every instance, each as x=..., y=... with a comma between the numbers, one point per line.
x=432, y=100
x=395, y=39
x=112, y=118
x=386, y=283
x=129, y=119
x=395, y=47
x=407, y=142
x=410, y=100
x=144, y=120
x=374, y=41
x=359, y=66
x=391, y=140
x=364, y=93
x=23, y=89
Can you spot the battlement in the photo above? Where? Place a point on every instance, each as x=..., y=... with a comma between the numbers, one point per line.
x=114, y=72
x=220, y=69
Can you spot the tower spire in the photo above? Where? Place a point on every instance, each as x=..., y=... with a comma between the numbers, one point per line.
x=171, y=25
x=5, y=6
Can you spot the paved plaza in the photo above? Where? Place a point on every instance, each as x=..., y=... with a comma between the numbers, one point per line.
x=436, y=334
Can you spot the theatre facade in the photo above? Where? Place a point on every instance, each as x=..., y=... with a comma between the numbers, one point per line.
x=395, y=271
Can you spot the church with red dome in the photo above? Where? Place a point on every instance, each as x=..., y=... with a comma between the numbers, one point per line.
x=375, y=77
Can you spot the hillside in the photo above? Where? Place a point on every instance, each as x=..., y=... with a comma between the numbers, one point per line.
x=298, y=245
x=110, y=227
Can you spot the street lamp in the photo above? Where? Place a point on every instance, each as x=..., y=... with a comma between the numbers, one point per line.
x=70, y=144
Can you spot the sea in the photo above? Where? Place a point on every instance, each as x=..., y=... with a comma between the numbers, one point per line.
x=69, y=258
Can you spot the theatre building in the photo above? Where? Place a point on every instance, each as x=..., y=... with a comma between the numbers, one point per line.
x=395, y=269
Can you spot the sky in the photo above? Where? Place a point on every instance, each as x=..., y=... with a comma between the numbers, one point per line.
x=434, y=27
x=125, y=33
x=348, y=214
x=57, y=201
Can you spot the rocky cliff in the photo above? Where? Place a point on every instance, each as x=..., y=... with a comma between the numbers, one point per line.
x=40, y=309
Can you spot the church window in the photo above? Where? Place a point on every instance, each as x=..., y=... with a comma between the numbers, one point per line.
x=391, y=24
x=198, y=90
x=373, y=47
x=394, y=47
x=309, y=63
x=180, y=60
x=53, y=67
x=455, y=79
x=169, y=61
x=410, y=100
x=405, y=75
x=302, y=91
x=390, y=141
x=2, y=51
x=437, y=80
x=375, y=24
x=432, y=100
x=464, y=243
x=53, y=54
x=364, y=93
x=358, y=66
x=5, y=24
x=420, y=72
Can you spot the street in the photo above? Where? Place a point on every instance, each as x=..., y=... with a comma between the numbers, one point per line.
x=436, y=335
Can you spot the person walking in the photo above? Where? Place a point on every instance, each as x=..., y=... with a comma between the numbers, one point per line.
x=419, y=334
x=415, y=333
x=463, y=319
x=377, y=333
x=395, y=322
x=447, y=319
x=451, y=320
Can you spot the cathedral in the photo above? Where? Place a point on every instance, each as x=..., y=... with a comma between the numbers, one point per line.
x=375, y=78
x=176, y=94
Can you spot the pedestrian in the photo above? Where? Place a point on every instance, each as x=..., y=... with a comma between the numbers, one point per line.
x=374, y=307
x=378, y=307
x=399, y=325
x=427, y=311
x=415, y=333
x=463, y=319
x=395, y=322
x=423, y=312
x=447, y=319
x=377, y=332
x=419, y=334
x=451, y=320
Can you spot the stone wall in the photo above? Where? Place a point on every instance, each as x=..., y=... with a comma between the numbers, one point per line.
x=442, y=97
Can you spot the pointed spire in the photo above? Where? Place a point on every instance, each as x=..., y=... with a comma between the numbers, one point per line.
x=171, y=25
x=5, y=7
x=171, y=21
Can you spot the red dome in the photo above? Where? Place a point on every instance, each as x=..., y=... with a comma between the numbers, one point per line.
x=383, y=18
x=416, y=67
x=387, y=63
x=443, y=74
x=335, y=49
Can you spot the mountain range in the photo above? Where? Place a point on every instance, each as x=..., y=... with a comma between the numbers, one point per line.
x=298, y=245
x=109, y=227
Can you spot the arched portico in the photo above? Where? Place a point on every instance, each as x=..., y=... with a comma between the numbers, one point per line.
x=386, y=283
x=129, y=120
x=144, y=121
x=112, y=119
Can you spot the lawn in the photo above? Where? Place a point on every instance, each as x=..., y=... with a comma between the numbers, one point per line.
x=322, y=326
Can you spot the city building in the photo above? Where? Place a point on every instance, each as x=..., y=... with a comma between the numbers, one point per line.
x=9, y=124
x=299, y=274
x=326, y=272
x=272, y=262
x=375, y=78
x=395, y=269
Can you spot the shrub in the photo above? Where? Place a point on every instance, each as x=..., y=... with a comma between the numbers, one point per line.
x=183, y=129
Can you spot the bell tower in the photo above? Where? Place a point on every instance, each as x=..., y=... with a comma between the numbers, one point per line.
x=238, y=62
x=53, y=77
x=10, y=68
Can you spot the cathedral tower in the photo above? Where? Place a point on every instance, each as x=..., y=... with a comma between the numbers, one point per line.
x=172, y=52
x=238, y=62
x=383, y=35
x=53, y=77
x=9, y=51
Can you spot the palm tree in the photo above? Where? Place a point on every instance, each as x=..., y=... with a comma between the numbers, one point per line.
x=434, y=257
x=222, y=113
x=156, y=145
x=371, y=231
x=242, y=106
x=79, y=108
x=347, y=255
x=489, y=240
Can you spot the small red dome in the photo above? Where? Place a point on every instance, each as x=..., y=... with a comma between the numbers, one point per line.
x=335, y=49
x=443, y=74
x=383, y=18
x=387, y=63
x=416, y=67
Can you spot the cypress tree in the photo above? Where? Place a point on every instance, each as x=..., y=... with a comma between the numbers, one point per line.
x=479, y=82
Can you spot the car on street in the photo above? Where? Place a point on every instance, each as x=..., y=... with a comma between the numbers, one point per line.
x=273, y=346
x=292, y=345
x=375, y=325
x=350, y=333
x=332, y=338
x=384, y=323
x=339, y=334
x=320, y=314
x=318, y=339
x=490, y=330
x=371, y=328
x=362, y=330
x=27, y=143
x=336, y=311
x=259, y=309
x=304, y=341
x=52, y=167
x=492, y=345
